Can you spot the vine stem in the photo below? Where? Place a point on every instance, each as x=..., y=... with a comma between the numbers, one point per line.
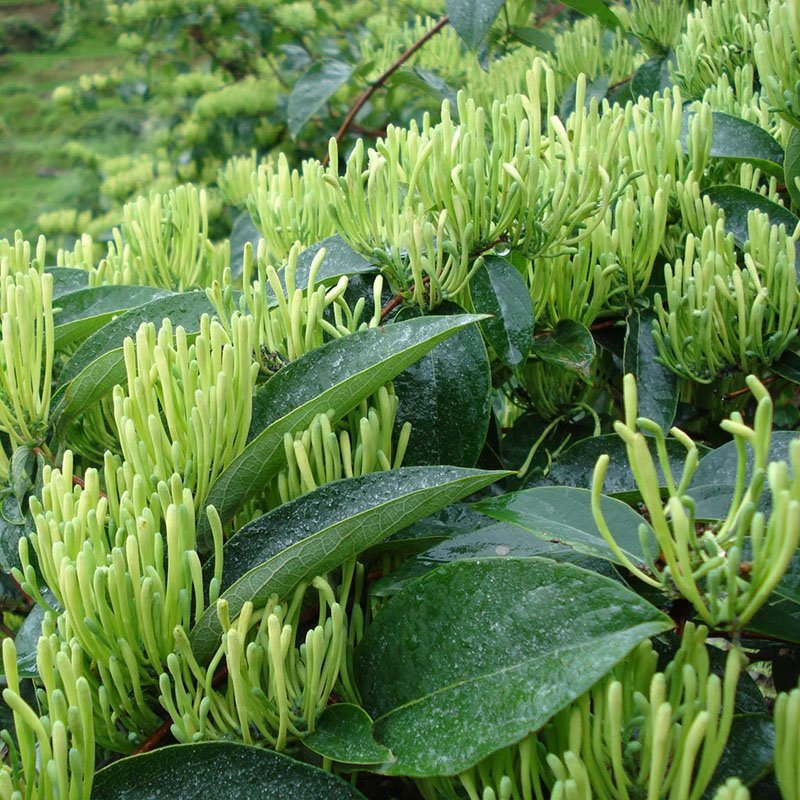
x=382, y=78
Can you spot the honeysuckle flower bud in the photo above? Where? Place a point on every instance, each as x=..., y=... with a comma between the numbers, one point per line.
x=707, y=568
x=787, y=744
x=777, y=42
x=26, y=349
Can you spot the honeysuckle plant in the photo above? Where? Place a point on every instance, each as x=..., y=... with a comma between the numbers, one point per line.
x=466, y=466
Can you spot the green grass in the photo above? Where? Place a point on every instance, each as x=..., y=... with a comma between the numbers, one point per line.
x=34, y=172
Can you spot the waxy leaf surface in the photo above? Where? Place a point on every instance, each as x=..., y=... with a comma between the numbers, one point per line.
x=319, y=531
x=563, y=515
x=475, y=655
x=217, y=770
x=335, y=377
x=473, y=18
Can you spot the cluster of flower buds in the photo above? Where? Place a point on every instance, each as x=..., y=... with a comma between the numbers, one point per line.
x=727, y=571
x=428, y=200
x=716, y=314
x=234, y=179
x=719, y=37
x=53, y=755
x=640, y=732
x=187, y=405
x=321, y=454
x=163, y=241
x=27, y=344
x=777, y=56
x=124, y=567
x=289, y=206
x=657, y=25
x=732, y=789
x=588, y=48
x=282, y=666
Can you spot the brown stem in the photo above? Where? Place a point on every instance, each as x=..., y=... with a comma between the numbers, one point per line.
x=551, y=12
x=155, y=738
x=745, y=390
x=382, y=78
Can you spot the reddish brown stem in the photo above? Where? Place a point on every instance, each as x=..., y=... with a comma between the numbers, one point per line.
x=551, y=12
x=155, y=738
x=382, y=78
x=745, y=390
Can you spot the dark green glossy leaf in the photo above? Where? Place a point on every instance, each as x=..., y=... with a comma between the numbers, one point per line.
x=473, y=18
x=81, y=313
x=569, y=345
x=333, y=378
x=748, y=753
x=446, y=398
x=791, y=166
x=447, y=688
x=563, y=515
x=719, y=465
x=739, y=140
x=653, y=76
x=595, y=8
x=217, y=770
x=319, y=531
x=712, y=502
x=777, y=619
x=657, y=385
x=313, y=88
x=534, y=37
x=498, y=289
x=243, y=231
x=789, y=587
x=26, y=642
x=788, y=366
x=97, y=365
x=67, y=280
x=736, y=202
x=575, y=466
x=344, y=733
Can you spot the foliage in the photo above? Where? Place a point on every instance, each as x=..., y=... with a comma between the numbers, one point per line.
x=454, y=471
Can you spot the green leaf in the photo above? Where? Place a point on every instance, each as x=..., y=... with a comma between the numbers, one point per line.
x=344, y=733
x=568, y=345
x=787, y=366
x=243, y=231
x=97, y=365
x=575, y=466
x=313, y=88
x=791, y=166
x=736, y=202
x=657, y=385
x=534, y=37
x=719, y=465
x=595, y=8
x=779, y=619
x=81, y=313
x=748, y=752
x=563, y=515
x=653, y=76
x=335, y=377
x=475, y=655
x=67, y=280
x=446, y=398
x=498, y=289
x=317, y=532
x=739, y=140
x=12, y=529
x=26, y=642
x=217, y=770
x=473, y=18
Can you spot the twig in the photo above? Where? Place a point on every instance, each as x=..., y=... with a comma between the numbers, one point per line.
x=745, y=390
x=382, y=78
x=551, y=12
